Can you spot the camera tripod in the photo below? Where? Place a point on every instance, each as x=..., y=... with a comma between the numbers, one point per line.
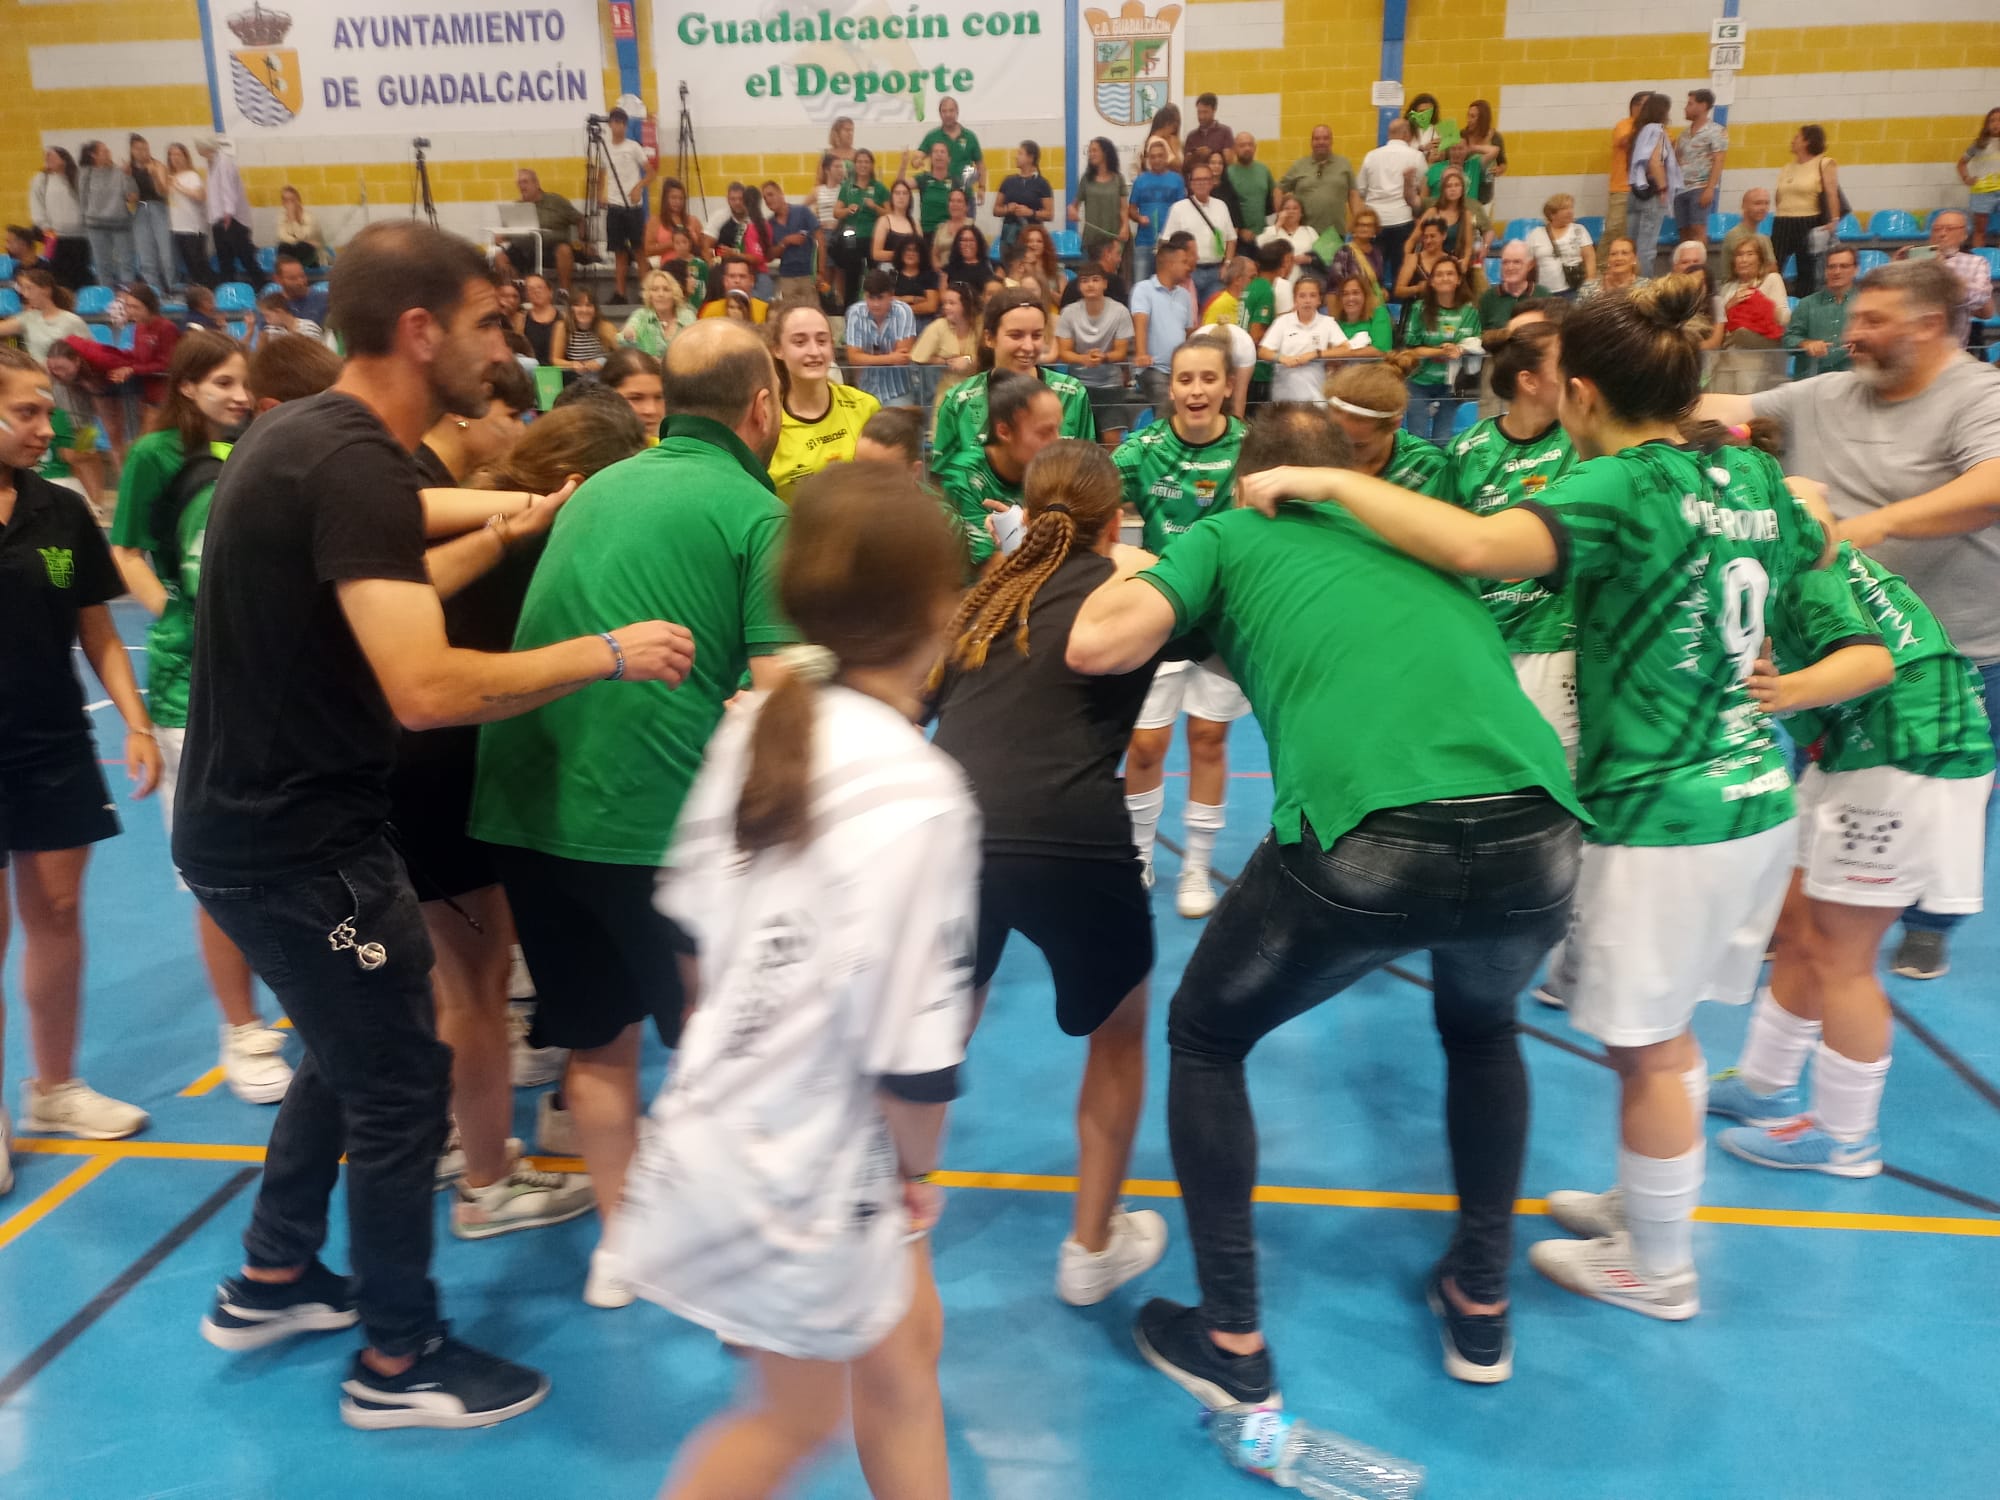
x=687, y=157
x=420, y=183
x=598, y=167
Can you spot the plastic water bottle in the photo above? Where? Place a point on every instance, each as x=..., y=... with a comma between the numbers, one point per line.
x=1323, y=1465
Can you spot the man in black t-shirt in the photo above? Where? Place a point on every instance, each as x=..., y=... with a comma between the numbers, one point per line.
x=56, y=576
x=320, y=630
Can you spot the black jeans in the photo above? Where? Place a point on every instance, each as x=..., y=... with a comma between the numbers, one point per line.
x=1393, y=240
x=1792, y=237
x=196, y=268
x=375, y=1083
x=235, y=251
x=1485, y=886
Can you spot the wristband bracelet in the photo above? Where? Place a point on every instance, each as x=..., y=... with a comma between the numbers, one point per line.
x=617, y=656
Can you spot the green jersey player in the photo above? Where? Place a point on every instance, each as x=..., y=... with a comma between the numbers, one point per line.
x=1673, y=555
x=1892, y=815
x=1368, y=401
x=1022, y=419
x=1013, y=330
x=1176, y=473
x=1501, y=462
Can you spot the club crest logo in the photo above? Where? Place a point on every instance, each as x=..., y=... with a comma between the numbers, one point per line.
x=265, y=76
x=61, y=565
x=1131, y=57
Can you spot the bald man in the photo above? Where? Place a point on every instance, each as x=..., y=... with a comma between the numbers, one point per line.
x=581, y=805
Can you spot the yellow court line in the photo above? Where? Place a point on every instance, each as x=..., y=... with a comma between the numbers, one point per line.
x=1028, y=1182
x=68, y=1187
x=213, y=1076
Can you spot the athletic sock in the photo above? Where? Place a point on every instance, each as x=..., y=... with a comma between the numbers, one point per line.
x=1847, y=1095
x=1695, y=1081
x=1660, y=1198
x=1775, y=1051
x=1145, y=810
x=1204, y=822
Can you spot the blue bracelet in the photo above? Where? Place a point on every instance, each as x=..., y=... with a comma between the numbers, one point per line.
x=617, y=656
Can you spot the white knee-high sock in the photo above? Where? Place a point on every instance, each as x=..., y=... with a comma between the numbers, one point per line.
x=1204, y=822
x=1847, y=1095
x=1776, y=1049
x=1145, y=810
x=1660, y=1199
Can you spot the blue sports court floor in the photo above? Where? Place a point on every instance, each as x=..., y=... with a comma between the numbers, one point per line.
x=1845, y=1348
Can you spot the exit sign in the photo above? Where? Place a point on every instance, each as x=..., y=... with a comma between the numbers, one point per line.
x=1727, y=29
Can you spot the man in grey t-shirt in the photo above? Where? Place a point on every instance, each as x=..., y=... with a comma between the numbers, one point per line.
x=1908, y=445
x=1094, y=339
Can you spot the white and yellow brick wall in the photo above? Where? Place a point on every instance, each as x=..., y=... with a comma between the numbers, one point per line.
x=1900, y=99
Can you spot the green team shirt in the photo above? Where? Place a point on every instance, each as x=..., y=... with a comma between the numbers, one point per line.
x=1257, y=307
x=969, y=482
x=1929, y=720
x=1672, y=557
x=1453, y=325
x=150, y=467
x=964, y=151
x=1173, y=483
x=1414, y=464
x=1446, y=716
x=688, y=531
x=868, y=205
x=961, y=414
x=63, y=438
x=1487, y=471
x=933, y=201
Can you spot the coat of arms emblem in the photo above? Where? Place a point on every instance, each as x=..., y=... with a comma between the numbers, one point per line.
x=264, y=76
x=1131, y=56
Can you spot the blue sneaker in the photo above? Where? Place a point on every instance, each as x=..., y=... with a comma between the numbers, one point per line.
x=1801, y=1146
x=1733, y=1099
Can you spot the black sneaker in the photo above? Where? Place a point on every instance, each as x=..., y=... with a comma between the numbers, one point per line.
x=1477, y=1346
x=450, y=1385
x=250, y=1314
x=1921, y=954
x=1174, y=1340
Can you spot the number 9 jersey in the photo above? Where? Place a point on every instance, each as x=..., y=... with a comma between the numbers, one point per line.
x=1672, y=556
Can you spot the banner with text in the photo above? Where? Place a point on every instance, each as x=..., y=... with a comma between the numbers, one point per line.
x=386, y=67
x=763, y=64
x=1129, y=64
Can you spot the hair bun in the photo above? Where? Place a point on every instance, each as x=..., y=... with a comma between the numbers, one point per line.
x=1671, y=301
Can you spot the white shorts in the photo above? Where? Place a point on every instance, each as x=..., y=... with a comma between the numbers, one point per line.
x=1885, y=837
x=1205, y=694
x=171, y=742
x=1658, y=931
x=1549, y=680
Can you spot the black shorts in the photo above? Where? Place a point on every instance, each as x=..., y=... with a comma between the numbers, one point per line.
x=1091, y=918
x=59, y=801
x=603, y=958
x=430, y=803
x=624, y=229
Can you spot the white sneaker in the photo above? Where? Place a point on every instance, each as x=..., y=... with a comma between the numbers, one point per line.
x=1196, y=895
x=451, y=1165
x=602, y=1288
x=531, y=1066
x=253, y=1062
x=1606, y=1271
x=75, y=1108
x=1591, y=1216
x=1146, y=873
x=523, y=1199
x=1548, y=995
x=520, y=983
x=1085, y=1278
x=6, y=1153
x=555, y=1131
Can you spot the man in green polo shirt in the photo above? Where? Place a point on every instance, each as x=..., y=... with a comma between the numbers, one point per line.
x=1324, y=185
x=581, y=795
x=1450, y=825
x=1255, y=191
x=968, y=167
x=932, y=186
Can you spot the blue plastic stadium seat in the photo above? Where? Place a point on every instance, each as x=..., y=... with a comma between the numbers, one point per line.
x=1143, y=419
x=1520, y=229
x=10, y=302
x=1493, y=269
x=94, y=301
x=1463, y=419
x=1851, y=226
x=235, y=296
x=1719, y=224
x=6, y=268
x=1868, y=260
x=101, y=332
x=1593, y=225
x=267, y=259
x=239, y=328
x=1068, y=243
x=1895, y=224
x=128, y=334
x=1991, y=255
x=272, y=286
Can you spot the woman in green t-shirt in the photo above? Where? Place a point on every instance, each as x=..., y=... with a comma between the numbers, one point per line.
x=1098, y=206
x=1438, y=323
x=1355, y=309
x=1672, y=555
x=156, y=541
x=855, y=210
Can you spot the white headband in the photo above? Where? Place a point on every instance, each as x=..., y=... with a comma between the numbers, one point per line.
x=809, y=663
x=1362, y=411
